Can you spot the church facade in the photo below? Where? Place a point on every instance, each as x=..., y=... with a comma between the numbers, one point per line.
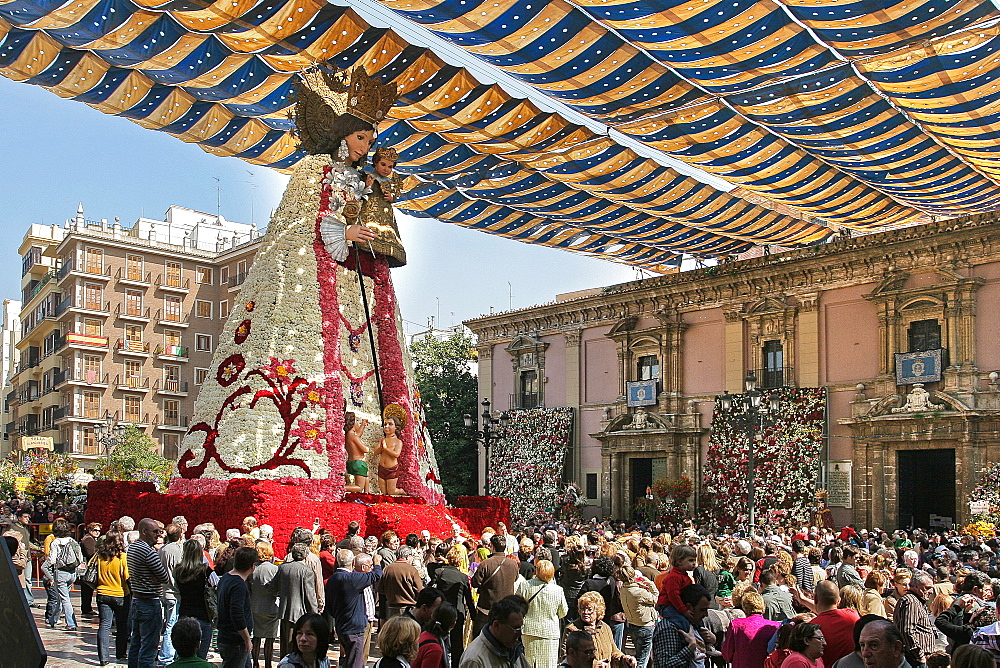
x=900, y=328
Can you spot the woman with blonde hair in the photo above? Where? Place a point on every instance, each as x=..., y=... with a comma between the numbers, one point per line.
x=397, y=641
x=264, y=603
x=852, y=598
x=872, y=600
x=590, y=607
x=900, y=585
x=546, y=606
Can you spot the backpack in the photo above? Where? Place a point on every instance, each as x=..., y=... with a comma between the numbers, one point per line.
x=67, y=560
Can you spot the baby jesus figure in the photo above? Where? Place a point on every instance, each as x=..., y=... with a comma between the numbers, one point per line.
x=389, y=449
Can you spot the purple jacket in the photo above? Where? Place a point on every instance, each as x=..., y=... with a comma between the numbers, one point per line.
x=746, y=641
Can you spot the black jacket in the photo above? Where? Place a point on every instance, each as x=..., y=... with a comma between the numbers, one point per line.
x=957, y=624
x=454, y=585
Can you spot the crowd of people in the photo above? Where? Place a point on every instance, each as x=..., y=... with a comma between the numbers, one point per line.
x=545, y=597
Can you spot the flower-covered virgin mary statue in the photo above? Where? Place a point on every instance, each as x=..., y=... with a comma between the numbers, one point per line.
x=315, y=332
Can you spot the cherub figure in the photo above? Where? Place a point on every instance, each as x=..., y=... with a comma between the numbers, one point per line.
x=357, y=466
x=389, y=449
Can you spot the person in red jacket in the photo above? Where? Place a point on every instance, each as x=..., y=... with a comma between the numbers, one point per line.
x=683, y=558
x=431, y=645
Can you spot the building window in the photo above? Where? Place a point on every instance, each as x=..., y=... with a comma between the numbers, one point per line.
x=924, y=335
x=133, y=373
x=92, y=368
x=773, y=373
x=528, y=396
x=648, y=367
x=133, y=302
x=171, y=337
x=172, y=309
x=133, y=333
x=203, y=342
x=94, y=262
x=224, y=309
x=133, y=267
x=204, y=275
x=171, y=446
x=200, y=375
x=171, y=377
x=203, y=309
x=88, y=441
x=92, y=327
x=93, y=296
x=92, y=405
x=173, y=276
x=591, y=485
x=171, y=412
x=223, y=275
x=133, y=409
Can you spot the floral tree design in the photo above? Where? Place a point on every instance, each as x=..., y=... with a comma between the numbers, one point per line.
x=290, y=394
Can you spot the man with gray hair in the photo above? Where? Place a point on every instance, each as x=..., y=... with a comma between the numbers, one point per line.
x=400, y=583
x=346, y=602
x=182, y=522
x=295, y=583
x=913, y=619
x=882, y=645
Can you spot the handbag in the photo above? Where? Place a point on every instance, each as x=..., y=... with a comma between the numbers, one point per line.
x=89, y=575
x=211, y=601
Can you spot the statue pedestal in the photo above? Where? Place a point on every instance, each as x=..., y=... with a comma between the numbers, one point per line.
x=284, y=507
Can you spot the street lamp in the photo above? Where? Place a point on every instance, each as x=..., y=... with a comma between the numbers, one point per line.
x=494, y=426
x=747, y=413
x=109, y=433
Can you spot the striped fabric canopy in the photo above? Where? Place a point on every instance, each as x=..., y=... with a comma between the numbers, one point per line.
x=846, y=113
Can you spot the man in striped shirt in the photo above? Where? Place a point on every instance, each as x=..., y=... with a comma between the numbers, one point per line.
x=913, y=619
x=147, y=575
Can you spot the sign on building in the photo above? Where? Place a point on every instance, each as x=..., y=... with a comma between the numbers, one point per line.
x=838, y=483
x=38, y=442
x=641, y=392
x=919, y=367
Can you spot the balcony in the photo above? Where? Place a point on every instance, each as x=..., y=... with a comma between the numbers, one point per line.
x=135, y=278
x=90, y=307
x=173, y=284
x=33, y=292
x=132, y=313
x=172, y=353
x=32, y=260
x=774, y=377
x=132, y=384
x=175, y=388
x=175, y=423
x=82, y=342
x=132, y=348
x=237, y=280
x=172, y=319
x=524, y=400
x=88, y=378
x=91, y=271
x=29, y=363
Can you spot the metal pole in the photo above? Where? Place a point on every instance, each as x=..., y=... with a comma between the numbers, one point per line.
x=753, y=499
x=371, y=333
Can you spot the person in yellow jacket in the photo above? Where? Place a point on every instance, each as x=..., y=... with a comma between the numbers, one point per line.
x=111, y=589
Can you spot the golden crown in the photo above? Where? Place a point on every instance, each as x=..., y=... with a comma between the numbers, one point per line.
x=396, y=412
x=322, y=95
x=384, y=152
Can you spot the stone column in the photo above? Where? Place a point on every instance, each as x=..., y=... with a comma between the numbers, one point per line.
x=485, y=358
x=573, y=400
x=808, y=343
x=734, y=351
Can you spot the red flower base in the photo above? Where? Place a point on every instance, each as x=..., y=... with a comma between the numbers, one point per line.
x=283, y=506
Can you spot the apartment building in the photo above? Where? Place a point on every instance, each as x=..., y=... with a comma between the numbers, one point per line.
x=9, y=335
x=122, y=323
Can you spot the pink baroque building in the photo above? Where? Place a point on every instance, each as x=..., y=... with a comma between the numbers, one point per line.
x=841, y=316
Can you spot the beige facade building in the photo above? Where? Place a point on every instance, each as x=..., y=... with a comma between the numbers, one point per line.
x=121, y=322
x=832, y=316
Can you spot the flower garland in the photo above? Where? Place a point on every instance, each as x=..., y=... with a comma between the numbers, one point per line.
x=786, y=461
x=526, y=466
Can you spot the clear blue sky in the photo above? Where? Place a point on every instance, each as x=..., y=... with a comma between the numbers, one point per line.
x=57, y=153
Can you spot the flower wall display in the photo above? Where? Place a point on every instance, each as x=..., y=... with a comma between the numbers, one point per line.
x=527, y=465
x=987, y=493
x=786, y=461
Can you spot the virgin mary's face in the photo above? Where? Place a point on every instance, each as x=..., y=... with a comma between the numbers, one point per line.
x=359, y=143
